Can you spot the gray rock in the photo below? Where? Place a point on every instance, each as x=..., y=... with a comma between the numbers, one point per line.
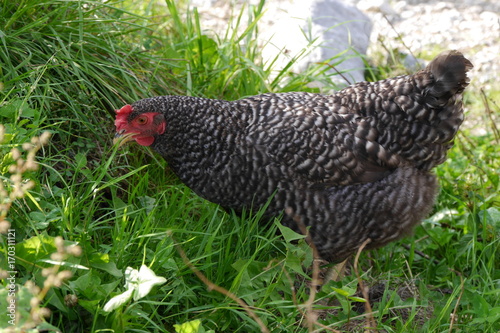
x=328, y=30
x=313, y=31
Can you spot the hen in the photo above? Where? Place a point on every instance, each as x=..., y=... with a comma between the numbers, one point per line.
x=350, y=166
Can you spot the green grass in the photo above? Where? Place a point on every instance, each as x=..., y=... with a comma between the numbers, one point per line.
x=66, y=65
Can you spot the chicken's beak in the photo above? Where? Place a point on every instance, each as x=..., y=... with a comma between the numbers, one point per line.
x=121, y=138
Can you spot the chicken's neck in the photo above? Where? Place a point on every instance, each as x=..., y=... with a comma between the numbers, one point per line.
x=199, y=138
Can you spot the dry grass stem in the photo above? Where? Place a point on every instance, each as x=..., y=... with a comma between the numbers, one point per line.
x=453, y=316
x=212, y=286
x=370, y=321
x=310, y=315
x=494, y=127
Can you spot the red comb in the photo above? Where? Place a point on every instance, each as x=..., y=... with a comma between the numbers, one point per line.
x=122, y=115
x=125, y=110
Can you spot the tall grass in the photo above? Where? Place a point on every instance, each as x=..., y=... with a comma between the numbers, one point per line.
x=66, y=65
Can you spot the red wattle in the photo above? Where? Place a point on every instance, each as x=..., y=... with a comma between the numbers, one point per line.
x=145, y=140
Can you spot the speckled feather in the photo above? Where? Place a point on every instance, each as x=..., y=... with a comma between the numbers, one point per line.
x=353, y=165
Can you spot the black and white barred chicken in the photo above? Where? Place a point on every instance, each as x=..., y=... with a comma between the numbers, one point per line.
x=351, y=166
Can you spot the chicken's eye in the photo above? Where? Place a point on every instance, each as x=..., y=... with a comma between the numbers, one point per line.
x=142, y=120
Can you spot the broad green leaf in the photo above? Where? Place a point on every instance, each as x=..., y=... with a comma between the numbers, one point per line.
x=289, y=234
x=109, y=267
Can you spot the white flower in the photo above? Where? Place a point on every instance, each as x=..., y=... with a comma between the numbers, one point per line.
x=138, y=284
x=118, y=300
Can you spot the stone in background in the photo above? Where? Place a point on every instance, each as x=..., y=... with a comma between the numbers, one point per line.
x=412, y=27
x=324, y=28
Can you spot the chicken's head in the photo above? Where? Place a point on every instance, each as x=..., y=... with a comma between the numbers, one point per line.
x=141, y=127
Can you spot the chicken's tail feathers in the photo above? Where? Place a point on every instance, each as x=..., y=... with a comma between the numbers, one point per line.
x=449, y=70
